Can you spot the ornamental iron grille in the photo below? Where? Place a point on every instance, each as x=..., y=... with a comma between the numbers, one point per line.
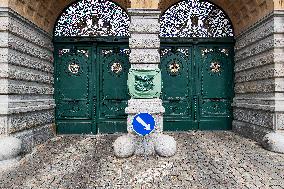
x=93, y=18
x=195, y=18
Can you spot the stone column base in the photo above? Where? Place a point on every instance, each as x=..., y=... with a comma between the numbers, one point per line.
x=157, y=143
x=10, y=148
x=274, y=142
x=154, y=143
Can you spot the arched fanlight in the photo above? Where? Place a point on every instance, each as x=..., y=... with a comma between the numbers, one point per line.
x=92, y=18
x=195, y=19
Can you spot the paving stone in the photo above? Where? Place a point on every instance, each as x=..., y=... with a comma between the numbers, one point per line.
x=203, y=160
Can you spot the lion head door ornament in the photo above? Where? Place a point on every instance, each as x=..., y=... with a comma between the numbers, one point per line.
x=74, y=68
x=116, y=68
x=215, y=67
x=174, y=68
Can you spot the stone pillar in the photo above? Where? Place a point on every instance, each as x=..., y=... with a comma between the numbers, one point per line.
x=145, y=59
x=259, y=85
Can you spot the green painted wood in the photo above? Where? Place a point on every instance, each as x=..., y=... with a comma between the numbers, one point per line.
x=200, y=93
x=93, y=98
x=91, y=87
x=177, y=91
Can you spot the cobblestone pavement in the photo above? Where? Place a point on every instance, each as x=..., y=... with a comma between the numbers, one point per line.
x=204, y=160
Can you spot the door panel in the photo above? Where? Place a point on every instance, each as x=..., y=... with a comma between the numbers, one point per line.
x=72, y=88
x=176, y=65
x=73, y=84
x=216, y=73
x=114, y=95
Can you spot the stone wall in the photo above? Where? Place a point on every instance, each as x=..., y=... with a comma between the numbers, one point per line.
x=26, y=80
x=259, y=83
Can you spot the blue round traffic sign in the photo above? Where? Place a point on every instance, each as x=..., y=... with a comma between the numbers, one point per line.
x=143, y=124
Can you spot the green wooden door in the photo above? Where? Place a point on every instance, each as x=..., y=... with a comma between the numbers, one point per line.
x=177, y=92
x=197, y=86
x=91, y=88
x=113, y=94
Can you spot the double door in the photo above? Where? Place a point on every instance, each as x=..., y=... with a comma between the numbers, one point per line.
x=91, y=87
x=197, y=86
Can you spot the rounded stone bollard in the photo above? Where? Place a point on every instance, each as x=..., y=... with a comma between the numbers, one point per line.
x=124, y=146
x=274, y=142
x=10, y=148
x=165, y=145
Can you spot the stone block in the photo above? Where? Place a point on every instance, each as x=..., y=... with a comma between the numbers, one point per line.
x=265, y=58
x=10, y=148
x=279, y=121
x=144, y=41
x=4, y=22
x=260, y=86
x=3, y=55
x=261, y=46
x=165, y=145
x=251, y=131
x=144, y=56
x=124, y=146
x=260, y=73
x=30, y=32
x=26, y=47
x=149, y=26
x=28, y=61
x=144, y=83
x=4, y=39
x=255, y=117
x=144, y=66
x=274, y=142
x=27, y=74
x=151, y=106
x=257, y=33
x=145, y=105
x=26, y=87
x=42, y=134
x=27, y=140
x=29, y=120
x=36, y=136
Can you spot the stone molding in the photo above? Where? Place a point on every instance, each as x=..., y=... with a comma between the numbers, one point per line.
x=26, y=83
x=8, y=12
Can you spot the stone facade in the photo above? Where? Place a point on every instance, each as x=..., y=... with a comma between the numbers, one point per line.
x=26, y=77
x=259, y=84
x=26, y=63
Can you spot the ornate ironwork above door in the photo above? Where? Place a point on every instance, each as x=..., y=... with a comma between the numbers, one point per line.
x=92, y=18
x=195, y=18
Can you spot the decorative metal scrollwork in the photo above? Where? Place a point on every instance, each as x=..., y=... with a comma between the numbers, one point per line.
x=93, y=18
x=174, y=68
x=74, y=68
x=206, y=51
x=195, y=18
x=61, y=52
x=215, y=67
x=116, y=68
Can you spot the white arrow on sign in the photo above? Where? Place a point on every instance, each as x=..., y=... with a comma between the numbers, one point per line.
x=142, y=122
